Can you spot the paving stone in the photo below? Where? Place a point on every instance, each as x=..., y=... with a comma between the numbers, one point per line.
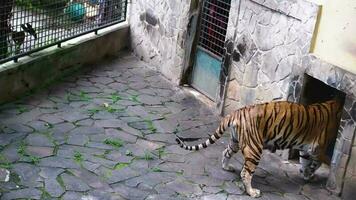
x=52, y=118
x=23, y=194
x=90, y=166
x=113, y=133
x=10, y=152
x=232, y=188
x=129, y=192
x=50, y=172
x=19, y=127
x=86, y=122
x=215, y=197
x=151, y=179
x=28, y=174
x=53, y=187
x=115, y=176
x=69, y=195
x=6, y=139
x=77, y=139
x=88, y=130
x=91, y=179
x=150, y=100
x=58, y=162
x=162, y=196
x=40, y=152
x=39, y=140
x=116, y=123
x=102, y=195
x=72, y=183
x=212, y=190
x=184, y=188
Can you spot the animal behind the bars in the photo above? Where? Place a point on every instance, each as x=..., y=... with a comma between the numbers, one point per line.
x=281, y=125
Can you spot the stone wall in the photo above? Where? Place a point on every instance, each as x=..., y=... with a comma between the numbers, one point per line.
x=269, y=38
x=342, y=178
x=158, y=33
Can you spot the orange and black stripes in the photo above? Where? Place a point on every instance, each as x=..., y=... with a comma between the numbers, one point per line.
x=284, y=124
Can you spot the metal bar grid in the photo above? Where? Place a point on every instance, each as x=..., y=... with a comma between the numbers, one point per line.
x=27, y=26
x=214, y=20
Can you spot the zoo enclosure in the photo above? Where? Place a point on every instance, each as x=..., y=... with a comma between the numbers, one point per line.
x=27, y=26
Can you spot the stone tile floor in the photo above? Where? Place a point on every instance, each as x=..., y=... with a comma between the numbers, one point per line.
x=106, y=133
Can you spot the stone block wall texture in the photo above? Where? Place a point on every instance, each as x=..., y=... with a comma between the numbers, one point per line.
x=158, y=33
x=342, y=178
x=269, y=40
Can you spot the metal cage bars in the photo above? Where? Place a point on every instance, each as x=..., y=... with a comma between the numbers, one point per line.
x=27, y=26
x=214, y=20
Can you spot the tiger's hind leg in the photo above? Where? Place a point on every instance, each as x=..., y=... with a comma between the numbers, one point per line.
x=230, y=150
x=251, y=162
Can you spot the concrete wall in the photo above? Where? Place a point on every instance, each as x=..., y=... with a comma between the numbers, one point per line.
x=43, y=67
x=158, y=34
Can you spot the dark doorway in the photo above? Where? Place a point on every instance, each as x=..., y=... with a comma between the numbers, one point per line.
x=316, y=91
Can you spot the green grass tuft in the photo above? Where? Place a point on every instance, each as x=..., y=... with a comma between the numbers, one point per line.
x=156, y=169
x=148, y=156
x=78, y=157
x=117, y=143
x=115, y=97
x=120, y=166
x=150, y=125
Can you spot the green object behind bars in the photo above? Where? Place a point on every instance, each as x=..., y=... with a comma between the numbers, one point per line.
x=75, y=11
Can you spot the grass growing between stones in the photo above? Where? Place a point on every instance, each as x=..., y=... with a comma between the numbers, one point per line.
x=117, y=143
x=120, y=166
x=156, y=169
x=115, y=97
x=134, y=98
x=60, y=181
x=45, y=194
x=128, y=153
x=148, y=156
x=161, y=152
x=21, y=150
x=21, y=109
x=83, y=96
x=4, y=162
x=150, y=125
x=78, y=157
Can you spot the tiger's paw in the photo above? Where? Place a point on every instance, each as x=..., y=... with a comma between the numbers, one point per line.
x=255, y=193
x=228, y=168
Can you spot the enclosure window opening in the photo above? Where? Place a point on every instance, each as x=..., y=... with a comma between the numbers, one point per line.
x=316, y=91
x=29, y=26
x=214, y=21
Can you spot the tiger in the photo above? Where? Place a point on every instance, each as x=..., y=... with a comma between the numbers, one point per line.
x=281, y=125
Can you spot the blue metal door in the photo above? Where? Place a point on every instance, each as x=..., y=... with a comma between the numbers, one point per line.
x=210, y=48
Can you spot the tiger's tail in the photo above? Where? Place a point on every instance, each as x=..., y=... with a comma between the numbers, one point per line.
x=225, y=123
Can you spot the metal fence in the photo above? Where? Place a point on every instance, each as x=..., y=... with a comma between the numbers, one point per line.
x=27, y=26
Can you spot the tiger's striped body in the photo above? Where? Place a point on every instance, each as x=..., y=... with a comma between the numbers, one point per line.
x=281, y=125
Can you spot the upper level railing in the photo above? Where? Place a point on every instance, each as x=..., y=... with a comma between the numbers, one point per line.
x=27, y=26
